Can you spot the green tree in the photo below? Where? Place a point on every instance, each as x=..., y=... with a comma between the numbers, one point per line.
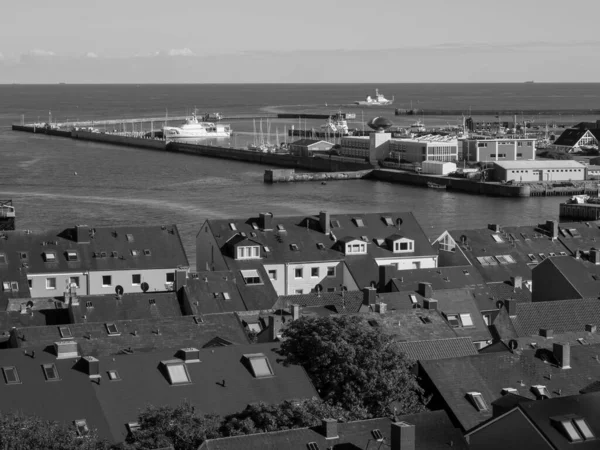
x=353, y=365
x=178, y=426
x=261, y=417
x=22, y=432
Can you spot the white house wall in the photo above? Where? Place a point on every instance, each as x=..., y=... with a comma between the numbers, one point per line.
x=279, y=283
x=38, y=284
x=408, y=263
x=307, y=282
x=156, y=279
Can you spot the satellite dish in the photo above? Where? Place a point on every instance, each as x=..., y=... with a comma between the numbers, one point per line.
x=499, y=304
x=29, y=304
x=399, y=221
x=319, y=288
x=513, y=344
x=373, y=284
x=344, y=288
x=119, y=290
x=145, y=286
x=463, y=239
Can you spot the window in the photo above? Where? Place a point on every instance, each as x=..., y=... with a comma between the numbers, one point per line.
x=478, y=401
x=294, y=247
x=49, y=257
x=114, y=254
x=574, y=428
x=251, y=277
x=563, y=254
x=299, y=272
x=134, y=252
x=50, y=283
x=111, y=329
x=106, y=280
x=147, y=252
x=72, y=255
x=377, y=435
x=314, y=272
x=177, y=373
x=540, y=391
x=331, y=289
x=6, y=286
x=65, y=332
x=280, y=227
x=232, y=226
x=113, y=375
x=331, y=271
x=226, y=296
x=403, y=246
x=82, y=428
x=505, y=259
x=132, y=427
x=30, y=282
x=23, y=256
x=249, y=252
x=542, y=256
x=170, y=277
x=497, y=238
x=359, y=222
x=312, y=446
x=89, y=304
x=3, y=258
x=136, y=279
x=298, y=292
x=267, y=249
x=388, y=221
x=129, y=237
x=583, y=428
x=335, y=224
x=272, y=274
x=466, y=320
x=11, y=376
x=50, y=372
x=453, y=320
x=413, y=298
x=532, y=257
x=259, y=365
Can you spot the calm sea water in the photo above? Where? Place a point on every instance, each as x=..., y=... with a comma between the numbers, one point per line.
x=117, y=185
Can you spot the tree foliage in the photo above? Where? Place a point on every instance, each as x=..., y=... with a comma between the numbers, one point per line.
x=353, y=365
x=21, y=432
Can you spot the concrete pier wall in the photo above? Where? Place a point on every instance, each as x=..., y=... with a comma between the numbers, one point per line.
x=116, y=139
x=290, y=175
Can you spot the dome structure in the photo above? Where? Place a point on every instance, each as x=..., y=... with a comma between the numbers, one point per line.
x=379, y=124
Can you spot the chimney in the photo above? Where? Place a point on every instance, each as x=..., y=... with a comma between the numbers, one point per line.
x=369, y=296
x=380, y=308
x=425, y=289
x=494, y=227
x=517, y=282
x=180, y=279
x=552, y=227
x=386, y=273
x=330, y=428
x=82, y=234
x=562, y=353
x=275, y=326
x=295, y=312
x=511, y=306
x=547, y=333
x=403, y=436
x=594, y=256
x=188, y=354
x=265, y=221
x=325, y=221
x=577, y=254
x=66, y=349
x=430, y=304
x=590, y=328
x=91, y=366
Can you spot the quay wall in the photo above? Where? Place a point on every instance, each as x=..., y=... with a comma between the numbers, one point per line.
x=579, y=211
x=456, y=184
x=41, y=130
x=272, y=159
x=290, y=175
x=493, y=112
x=116, y=139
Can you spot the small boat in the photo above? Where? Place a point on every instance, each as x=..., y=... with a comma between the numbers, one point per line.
x=379, y=100
x=195, y=129
x=435, y=185
x=418, y=127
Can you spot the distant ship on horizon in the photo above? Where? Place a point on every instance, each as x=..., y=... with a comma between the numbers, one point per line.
x=530, y=82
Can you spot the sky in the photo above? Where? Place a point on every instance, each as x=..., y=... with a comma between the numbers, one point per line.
x=143, y=41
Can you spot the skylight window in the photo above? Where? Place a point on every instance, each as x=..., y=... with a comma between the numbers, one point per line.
x=259, y=365
x=312, y=446
x=413, y=298
x=113, y=375
x=497, y=238
x=365, y=238
x=232, y=226
x=65, y=332
x=49, y=257
x=453, y=320
x=377, y=435
x=478, y=401
x=135, y=252
x=388, y=221
x=112, y=329
x=11, y=376
x=129, y=237
x=509, y=390
x=147, y=252
x=81, y=427
x=255, y=225
x=23, y=256
x=335, y=224
x=563, y=254
x=583, y=428
x=573, y=427
x=466, y=320
x=532, y=257
x=2, y=258
x=177, y=372
x=358, y=222
x=505, y=259
x=540, y=391
x=267, y=249
x=226, y=296
x=50, y=372
x=542, y=256
x=294, y=247
x=254, y=327
x=280, y=227
x=102, y=254
x=72, y=255
x=380, y=241
x=251, y=277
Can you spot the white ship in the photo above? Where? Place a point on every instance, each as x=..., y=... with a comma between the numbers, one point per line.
x=195, y=129
x=418, y=127
x=336, y=124
x=379, y=100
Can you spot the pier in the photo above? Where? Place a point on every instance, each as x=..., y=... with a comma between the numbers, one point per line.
x=495, y=112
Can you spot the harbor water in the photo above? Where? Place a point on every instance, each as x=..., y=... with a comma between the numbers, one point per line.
x=56, y=182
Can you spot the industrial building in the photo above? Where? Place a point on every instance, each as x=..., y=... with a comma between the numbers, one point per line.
x=308, y=147
x=528, y=171
x=498, y=149
x=424, y=148
x=372, y=148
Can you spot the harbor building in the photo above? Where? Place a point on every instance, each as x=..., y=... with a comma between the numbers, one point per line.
x=309, y=147
x=96, y=261
x=579, y=137
x=372, y=148
x=528, y=171
x=424, y=148
x=498, y=149
x=273, y=256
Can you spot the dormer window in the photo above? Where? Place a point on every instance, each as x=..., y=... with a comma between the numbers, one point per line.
x=574, y=428
x=356, y=247
x=72, y=255
x=251, y=277
x=248, y=252
x=49, y=257
x=478, y=401
x=540, y=392
x=403, y=246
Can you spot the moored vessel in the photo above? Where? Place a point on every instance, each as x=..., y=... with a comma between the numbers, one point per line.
x=195, y=129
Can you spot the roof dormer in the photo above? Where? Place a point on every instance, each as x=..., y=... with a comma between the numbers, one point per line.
x=400, y=244
x=353, y=246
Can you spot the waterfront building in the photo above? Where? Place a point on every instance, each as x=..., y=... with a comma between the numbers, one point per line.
x=423, y=431
x=501, y=149
x=309, y=147
x=100, y=260
x=575, y=139
x=424, y=148
x=274, y=256
x=372, y=148
x=531, y=171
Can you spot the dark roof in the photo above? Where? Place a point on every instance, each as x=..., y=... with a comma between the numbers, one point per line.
x=440, y=278
x=166, y=249
x=488, y=295
x=129, y=306
x=583, y=277
x=579, y=235
x=140, y=335
x=408, y=325
x=570, y=137
x=489, y=373
x=349, y=301
x=517, y=242
x=438, y=348
x=12, y=273
x=33, y=312
x=206, y=293
x=433, y=431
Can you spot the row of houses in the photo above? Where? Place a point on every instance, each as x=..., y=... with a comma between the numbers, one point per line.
x=496, y=320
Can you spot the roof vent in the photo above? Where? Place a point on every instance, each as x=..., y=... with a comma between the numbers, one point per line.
x=430, y=304
x=66, y=349
x=91, y=366
x=188, y=355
